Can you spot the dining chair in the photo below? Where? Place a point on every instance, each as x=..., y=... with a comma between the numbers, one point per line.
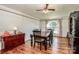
x=50, y=37
x=36, y=31
x=39, y=40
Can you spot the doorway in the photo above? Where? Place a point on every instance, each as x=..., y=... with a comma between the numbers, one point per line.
x=55, y=25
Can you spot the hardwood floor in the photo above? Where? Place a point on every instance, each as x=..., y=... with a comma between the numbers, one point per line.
x=59, y=46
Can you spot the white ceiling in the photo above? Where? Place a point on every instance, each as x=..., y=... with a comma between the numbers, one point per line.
x=30, y=9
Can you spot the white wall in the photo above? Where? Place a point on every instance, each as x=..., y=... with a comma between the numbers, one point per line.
x=42, y=25
x=65, y=26
x=24, y=24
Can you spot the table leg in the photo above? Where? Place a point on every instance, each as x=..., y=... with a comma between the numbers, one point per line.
x=31, y=41
x=45, y=43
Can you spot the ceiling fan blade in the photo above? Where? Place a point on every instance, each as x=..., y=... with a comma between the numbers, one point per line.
x=51, y=9
x=39, y=10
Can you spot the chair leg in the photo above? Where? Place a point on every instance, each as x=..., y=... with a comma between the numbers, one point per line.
x=34, y=44
x=49, y=43
x=45, y=44
x=31, y=43
x=40, y=46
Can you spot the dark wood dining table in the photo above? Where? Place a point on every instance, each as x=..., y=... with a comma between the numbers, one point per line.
x=44, y=35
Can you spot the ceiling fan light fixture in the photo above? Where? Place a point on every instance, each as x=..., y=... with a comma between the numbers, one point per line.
x=45, y=11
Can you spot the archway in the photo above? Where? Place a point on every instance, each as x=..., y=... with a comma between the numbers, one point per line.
x=55, y=26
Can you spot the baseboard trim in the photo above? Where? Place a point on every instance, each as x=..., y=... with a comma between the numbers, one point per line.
x=28, y=40
x=60, y=36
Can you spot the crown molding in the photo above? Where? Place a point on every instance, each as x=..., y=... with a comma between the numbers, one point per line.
x=6, y=9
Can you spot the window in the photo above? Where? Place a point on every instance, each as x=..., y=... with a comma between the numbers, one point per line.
x=54, y=25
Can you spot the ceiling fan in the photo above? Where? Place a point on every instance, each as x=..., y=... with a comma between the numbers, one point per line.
x=46, y=9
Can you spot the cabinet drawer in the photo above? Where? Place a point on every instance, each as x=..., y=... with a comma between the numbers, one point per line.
x=13, y=41
x=8, y=45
